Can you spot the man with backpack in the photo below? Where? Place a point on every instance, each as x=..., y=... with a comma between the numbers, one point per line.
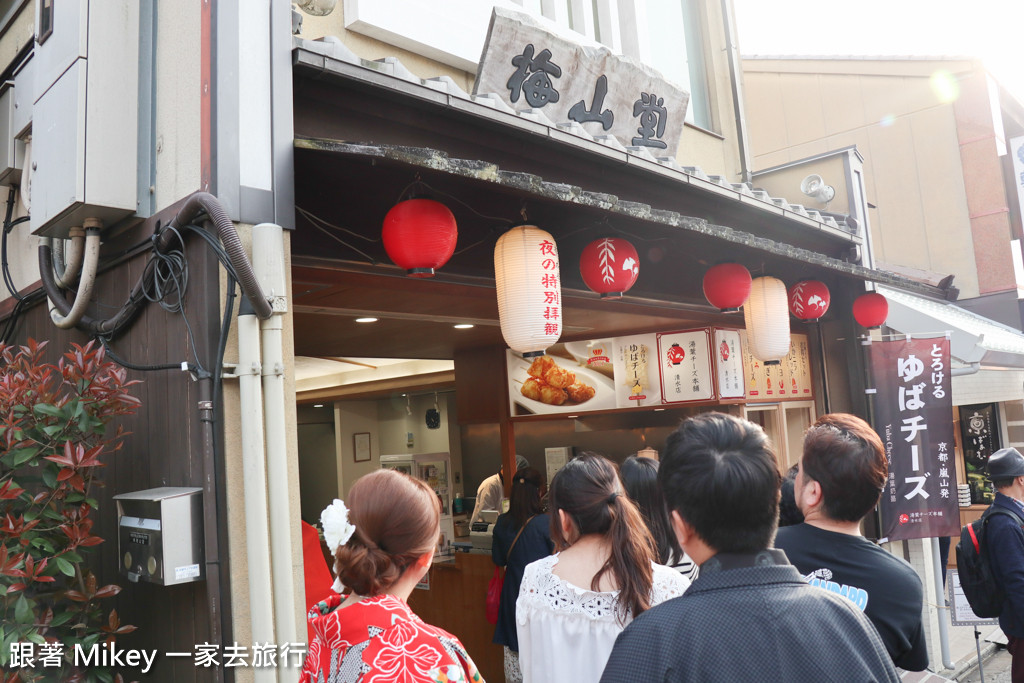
x=1005, y=540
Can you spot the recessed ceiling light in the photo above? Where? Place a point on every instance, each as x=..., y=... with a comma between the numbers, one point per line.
x=572, y=417
x=462, y=326
x=318, y=405
x=366, y=320
x=658, y=410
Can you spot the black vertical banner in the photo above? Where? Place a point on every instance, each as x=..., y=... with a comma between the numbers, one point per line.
x=914, y=417
x=979, y=434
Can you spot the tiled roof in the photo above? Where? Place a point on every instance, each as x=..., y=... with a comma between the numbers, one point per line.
x=536, y=186
x=330, y=54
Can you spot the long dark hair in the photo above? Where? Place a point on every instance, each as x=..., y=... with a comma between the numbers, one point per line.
x=589, y=490
x=640, y=477
x=525, y=500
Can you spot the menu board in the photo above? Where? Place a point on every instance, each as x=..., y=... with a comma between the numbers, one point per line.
x=728, y=363
x=684, y=359
x=637, y=381
x=789, y=379
x=651, y=370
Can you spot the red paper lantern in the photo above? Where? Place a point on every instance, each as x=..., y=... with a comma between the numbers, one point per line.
x=609, y=266
x=871, y=310
x=727, y=286
x=419, y=235
x=809, y=299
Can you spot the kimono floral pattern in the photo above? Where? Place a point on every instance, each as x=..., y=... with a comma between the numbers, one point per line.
x=380, y=640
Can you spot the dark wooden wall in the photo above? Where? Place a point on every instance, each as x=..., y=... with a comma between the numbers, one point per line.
x=163, y=449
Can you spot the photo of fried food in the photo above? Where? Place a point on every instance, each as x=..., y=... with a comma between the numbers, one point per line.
x=554, y=385
x=580, y=392
x=541, y=391
x=544, y=368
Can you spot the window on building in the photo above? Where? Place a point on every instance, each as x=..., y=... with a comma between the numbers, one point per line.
x=668, y=35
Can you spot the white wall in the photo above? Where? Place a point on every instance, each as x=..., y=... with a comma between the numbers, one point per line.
x=353, y=417
x=388, y=424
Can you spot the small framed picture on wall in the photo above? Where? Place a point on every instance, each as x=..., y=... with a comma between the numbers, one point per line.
x=361, y=446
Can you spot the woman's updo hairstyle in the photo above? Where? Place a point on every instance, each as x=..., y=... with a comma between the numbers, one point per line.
x=397, y=520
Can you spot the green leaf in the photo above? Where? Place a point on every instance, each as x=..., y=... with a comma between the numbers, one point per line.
x=42, y=543
x=104, y=675
x=20, y=456
x=45, y=409
x=49, y=477
x=23, y=611
x=53, y=430
x=72, y=556
x=65, y=567
x=35, y=637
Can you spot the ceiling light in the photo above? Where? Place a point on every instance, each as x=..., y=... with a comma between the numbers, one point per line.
x=318, y=405
x=658, y=410
x=462, y=326
x=366, y=320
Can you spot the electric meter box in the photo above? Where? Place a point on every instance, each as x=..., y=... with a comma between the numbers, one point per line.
x=160, y=535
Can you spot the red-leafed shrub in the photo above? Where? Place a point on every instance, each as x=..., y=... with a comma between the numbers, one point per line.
x=53, y=438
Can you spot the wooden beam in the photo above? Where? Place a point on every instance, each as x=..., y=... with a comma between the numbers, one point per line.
x=379, y=388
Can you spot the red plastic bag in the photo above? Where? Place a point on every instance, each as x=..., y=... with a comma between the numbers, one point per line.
x=494, y=594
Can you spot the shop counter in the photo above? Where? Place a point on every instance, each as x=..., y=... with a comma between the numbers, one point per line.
x=455, y=602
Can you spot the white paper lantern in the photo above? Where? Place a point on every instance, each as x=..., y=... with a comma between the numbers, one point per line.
x=529, y=289
x=766, y=315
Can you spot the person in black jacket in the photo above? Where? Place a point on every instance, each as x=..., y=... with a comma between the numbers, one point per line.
x=1005, y=539
x=749, y=616
x=521, y=535
x=839, y=481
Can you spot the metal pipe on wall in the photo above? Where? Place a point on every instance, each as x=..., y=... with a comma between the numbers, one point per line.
x=254, y=479
x=269, y=267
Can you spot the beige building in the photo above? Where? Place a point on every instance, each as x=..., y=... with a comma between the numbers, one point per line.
x=933, y=134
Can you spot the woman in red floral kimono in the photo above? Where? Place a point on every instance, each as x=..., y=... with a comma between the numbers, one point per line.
x=383, y=550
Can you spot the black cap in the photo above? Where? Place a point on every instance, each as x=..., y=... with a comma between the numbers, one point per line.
x=1005, y=463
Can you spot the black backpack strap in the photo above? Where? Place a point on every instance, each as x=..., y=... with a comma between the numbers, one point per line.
x=993, y=510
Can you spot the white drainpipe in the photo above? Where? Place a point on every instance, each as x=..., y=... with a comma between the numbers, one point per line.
x=254, y=479
x=268, y=265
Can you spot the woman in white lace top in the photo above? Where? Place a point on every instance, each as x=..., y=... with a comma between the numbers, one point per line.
x=574, y=604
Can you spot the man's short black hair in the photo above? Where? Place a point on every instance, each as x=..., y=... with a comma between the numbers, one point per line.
x=720, y=474
x=1003, y=483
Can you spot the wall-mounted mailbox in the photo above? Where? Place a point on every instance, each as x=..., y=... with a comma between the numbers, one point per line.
x=160, y=535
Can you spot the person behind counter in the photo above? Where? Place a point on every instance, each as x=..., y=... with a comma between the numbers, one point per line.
x=573, y=604
x=492, y=490
x=521, y=536
x=383, y=546
x=640, y=477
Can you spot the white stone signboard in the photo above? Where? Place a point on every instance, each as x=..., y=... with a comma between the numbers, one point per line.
x=531, y=67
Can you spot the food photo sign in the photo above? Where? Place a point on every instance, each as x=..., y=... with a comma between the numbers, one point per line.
x=562, y=381
x=788, y=380
x=642, y=370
